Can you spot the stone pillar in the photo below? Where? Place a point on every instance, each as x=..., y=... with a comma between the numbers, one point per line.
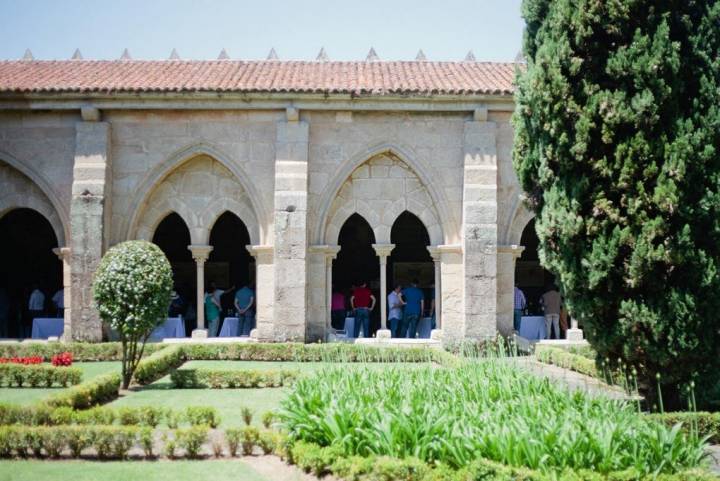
x=200, y=254
x=437, y=260
x=452, y=291
x=480, y=227
x=89, y=209
x=63, y=254
x=320, y=290
x=383, y=251
x=507, y=255
x=264, y=292
x=290, y=230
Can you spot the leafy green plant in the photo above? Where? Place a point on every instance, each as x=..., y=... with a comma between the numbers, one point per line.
x=232, y=437
x=146, y=439
x=169, y=446
x=202, y=416
x=247, y=415
x=192, y=439
x=267, y=419
x=249, y=436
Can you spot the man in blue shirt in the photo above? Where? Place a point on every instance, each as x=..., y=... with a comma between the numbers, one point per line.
x=245, y=305
x=414, y=306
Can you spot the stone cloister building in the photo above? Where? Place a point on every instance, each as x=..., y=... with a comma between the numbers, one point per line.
x=104, y=151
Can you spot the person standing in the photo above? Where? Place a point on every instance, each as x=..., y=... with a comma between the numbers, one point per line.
x=552, y=303
x=212, y=312
x=245, y=305
x=414, y=306
x=362, y=302
x=520, y=304
x=395, y=315
x=36, y=307
x=59, y=302
x=337, y=310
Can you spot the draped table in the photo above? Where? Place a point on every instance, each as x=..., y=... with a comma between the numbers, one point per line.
x=424, y=327
x=44, y=327
x=532, y=327
x=231, y=328
x=172, y=327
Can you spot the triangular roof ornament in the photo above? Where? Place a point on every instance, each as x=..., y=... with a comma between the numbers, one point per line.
x=77, y=55
x=470, y=57
x=125, y=55
x=28, y=55
x=420, y=56
x=223, y=55
x=272, y=54
x=322, y=56
x=174, y=55
x=372, y=55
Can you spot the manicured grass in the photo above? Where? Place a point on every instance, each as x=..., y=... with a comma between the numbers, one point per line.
x=119, y=470
x=31, y=395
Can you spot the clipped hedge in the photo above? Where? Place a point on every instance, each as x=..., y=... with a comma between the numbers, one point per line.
x=706, y=424
x=81, y=351
x=568, y=360
x=95, y=391
x=241, y=378
x=331, y=460
x=158, y=364
x=38, y=375
x=109, y=442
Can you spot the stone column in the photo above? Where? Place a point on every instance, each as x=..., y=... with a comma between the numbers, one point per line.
x=437, y=260
x=264, y=292
x=63, y=254
x=383, y=251
x=320, y=290
x=507, y=255
x=200, y=254
x=290, y=230
x=89, y=210
x=480, y=227
x=452, y=291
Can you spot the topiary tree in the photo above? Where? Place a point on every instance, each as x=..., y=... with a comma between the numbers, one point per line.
x=132, y=290
x=617, y=136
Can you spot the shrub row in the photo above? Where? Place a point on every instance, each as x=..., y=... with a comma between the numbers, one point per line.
x=331, y=460
x=149, y=416
x=81, y=351
x=241, y=378
x=705, y=423
x=158, y=364
x=38, y=375
x=89, y=393
x=568, y=360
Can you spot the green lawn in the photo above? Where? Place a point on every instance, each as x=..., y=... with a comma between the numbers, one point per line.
x=28, y=395
x=118, y=470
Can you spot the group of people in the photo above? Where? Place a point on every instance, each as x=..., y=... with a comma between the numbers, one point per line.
x=552, y=309
x=243, y=302
x=36, y=306
x=406, y=305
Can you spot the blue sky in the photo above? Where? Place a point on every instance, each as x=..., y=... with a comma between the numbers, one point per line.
x=445, y=29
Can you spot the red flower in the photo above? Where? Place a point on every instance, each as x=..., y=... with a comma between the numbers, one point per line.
x=62, y=359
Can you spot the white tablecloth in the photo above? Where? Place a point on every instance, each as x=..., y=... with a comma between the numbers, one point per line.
x=350, y=327
x=172, y=327
x=230, y=327
x=424, y=327
x=532, y=327
x=44, y=327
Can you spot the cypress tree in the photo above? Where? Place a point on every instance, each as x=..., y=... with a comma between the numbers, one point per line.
x=618, y=149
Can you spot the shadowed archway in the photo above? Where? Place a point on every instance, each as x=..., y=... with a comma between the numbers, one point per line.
x=230, y=264
x=532, y=278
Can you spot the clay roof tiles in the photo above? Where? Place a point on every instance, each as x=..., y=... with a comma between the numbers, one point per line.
x=262, y=76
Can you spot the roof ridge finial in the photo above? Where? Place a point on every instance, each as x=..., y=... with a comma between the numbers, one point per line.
x=223, y=55
x=272, y=54
x=322, y=56
x=470, y=57
x=77, y=55
x=125, y=55
x=372, y=55
x=174, y=55
x=28, y=55
x=420, y=57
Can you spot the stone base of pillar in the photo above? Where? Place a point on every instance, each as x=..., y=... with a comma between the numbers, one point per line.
x=574, y=335
x=383, y=334
x=436, y=335
x=199, y=334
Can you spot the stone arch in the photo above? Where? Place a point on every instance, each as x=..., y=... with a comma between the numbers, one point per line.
x=20, y=190
x=155, y=178
x=380, y=190
x=520, y=219
x=438, y=219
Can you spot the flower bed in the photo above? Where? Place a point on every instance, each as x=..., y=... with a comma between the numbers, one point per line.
x=81, y=351
x=37, y=375
x=21, y=360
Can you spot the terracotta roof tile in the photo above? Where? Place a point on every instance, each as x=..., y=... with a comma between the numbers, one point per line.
x=264, y=76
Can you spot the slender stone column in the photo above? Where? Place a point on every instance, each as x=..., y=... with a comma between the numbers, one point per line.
x=436, y=257
x=63, y=254
x=264, y=292
x=507, y=255
x=383, y=251
x=320, y=290
x=200, y=254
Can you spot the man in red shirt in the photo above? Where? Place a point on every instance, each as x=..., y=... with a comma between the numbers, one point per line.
x=362, y=301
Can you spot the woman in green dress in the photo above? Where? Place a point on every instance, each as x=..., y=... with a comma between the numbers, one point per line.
x=212, y=312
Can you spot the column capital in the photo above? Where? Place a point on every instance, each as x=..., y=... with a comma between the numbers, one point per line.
x=263, y=254
x=330, y=251
x=515, y=250
x=450, y=249
x=435, y=252
x=63, y=253
x=200, y=253
x=383, y=250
